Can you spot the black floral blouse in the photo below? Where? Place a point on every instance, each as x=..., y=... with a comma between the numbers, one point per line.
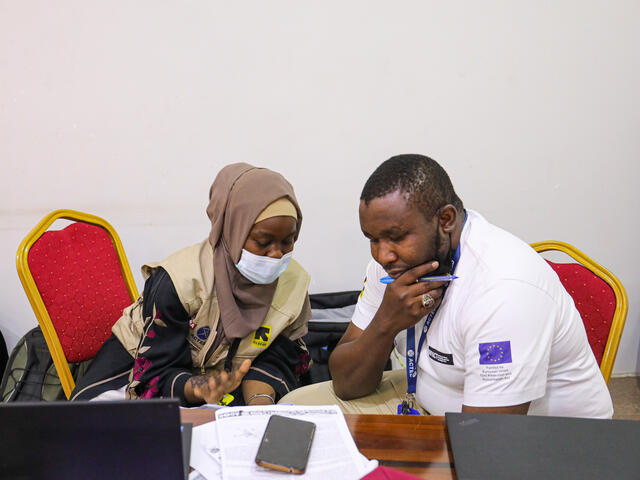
x=163, y=362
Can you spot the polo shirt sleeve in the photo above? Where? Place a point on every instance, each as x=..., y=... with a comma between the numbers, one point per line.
x=507, y=334
x=371, y=296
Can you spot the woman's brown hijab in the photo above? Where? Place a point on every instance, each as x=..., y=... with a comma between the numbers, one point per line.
x=238, y=195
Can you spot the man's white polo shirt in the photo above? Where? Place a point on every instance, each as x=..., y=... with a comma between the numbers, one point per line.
x=506, y=333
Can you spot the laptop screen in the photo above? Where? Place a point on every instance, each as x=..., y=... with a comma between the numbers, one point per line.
x=496, y=447
x=97, y=440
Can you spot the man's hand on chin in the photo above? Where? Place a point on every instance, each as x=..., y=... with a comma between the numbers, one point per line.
x=402, y=305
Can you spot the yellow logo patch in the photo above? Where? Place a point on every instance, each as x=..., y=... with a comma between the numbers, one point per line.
x=261, y=336
x=363, y=287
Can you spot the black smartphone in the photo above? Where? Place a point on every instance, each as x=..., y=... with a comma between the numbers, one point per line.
x=286, y=444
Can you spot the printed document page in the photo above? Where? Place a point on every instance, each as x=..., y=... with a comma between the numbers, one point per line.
x=205, y=452
x=333, y=452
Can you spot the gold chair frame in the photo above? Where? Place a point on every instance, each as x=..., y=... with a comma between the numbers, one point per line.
x=622, y=302
x=33, y=294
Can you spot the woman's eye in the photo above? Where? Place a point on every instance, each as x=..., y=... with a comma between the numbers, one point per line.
x=263, y=244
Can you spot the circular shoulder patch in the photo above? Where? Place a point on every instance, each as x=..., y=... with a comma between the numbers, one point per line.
x=203, y=333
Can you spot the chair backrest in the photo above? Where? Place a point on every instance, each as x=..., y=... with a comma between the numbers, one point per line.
x=78, y=281
x=599, y=297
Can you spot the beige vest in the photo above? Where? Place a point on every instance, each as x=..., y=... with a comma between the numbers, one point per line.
x=191, y=271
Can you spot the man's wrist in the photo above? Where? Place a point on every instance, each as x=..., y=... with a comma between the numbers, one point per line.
x=384, y=327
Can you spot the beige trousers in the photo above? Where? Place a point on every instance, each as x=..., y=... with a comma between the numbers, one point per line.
x=384, y=400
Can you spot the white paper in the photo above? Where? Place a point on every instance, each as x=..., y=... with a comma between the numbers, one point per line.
x=195, y=475
x=205, y=454
x=333, y=452
x=206, y=406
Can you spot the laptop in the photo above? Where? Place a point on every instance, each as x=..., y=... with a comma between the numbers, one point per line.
x=92, y=440
x=497, y=446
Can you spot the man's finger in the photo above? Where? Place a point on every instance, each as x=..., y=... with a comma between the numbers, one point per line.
x=413, y=274
x=418, y=288
x=436, y=294
x=433, y=290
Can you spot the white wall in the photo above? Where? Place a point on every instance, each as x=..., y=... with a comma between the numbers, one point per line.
x=128, y=110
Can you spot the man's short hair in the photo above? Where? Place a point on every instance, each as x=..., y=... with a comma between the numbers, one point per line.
x=424, y=181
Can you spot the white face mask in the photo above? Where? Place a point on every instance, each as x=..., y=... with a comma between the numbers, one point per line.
x=262, y=269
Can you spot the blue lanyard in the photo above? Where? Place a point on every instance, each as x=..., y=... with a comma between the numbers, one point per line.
x=412, y=355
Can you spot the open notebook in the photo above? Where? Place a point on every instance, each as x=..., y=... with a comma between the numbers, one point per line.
x=522, y=447
x=92, y=440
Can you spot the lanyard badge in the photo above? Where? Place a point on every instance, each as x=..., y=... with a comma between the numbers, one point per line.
x=406, y=407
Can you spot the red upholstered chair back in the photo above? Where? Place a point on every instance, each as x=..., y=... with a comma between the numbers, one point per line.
x=594, y=299
x=78, y=275
x=599, y=297
x=78, y=282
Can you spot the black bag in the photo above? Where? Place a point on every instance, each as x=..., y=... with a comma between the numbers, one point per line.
x=330, y=317
x=30, y=374
x=4, y=355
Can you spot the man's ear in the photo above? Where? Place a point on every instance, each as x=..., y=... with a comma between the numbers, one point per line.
x=448, y=218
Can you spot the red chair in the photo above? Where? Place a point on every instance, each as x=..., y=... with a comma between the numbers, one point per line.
x=599, y=297
x=78, y=281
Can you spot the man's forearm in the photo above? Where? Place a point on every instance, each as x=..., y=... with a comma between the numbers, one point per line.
x=356, y=366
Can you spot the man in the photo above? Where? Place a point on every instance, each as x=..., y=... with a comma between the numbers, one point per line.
x=503, y=337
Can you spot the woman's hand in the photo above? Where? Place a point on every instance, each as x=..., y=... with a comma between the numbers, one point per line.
x=211, y=388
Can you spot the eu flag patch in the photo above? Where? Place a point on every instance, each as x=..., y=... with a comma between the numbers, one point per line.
x=494, y=353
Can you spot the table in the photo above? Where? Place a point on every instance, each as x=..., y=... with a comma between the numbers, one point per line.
x=415, y=444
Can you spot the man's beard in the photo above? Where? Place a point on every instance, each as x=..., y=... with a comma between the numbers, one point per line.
x=445, y=263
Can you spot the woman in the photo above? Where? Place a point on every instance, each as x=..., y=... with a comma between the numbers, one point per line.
x=222, y=316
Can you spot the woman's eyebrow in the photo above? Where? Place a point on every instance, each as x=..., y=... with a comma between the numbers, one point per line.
x=262, y=233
